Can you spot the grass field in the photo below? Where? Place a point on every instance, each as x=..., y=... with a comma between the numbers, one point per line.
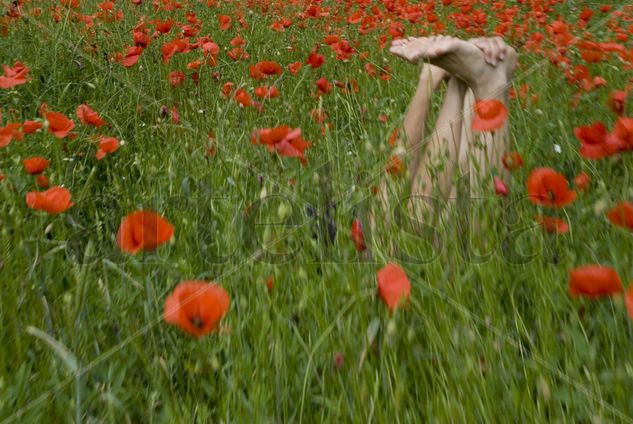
x=489, y=332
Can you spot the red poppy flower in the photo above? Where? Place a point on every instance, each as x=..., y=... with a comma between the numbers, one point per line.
x=29, y=127
x=59, y=124
x=294, y=67
x=616, y=101
x=393, y=285
x=263, y=69
x=224, y=21
x=131, y=57
x=143, y=230
x=490, y=115
x=243, y=98
x=323, y=85
x=594, y=142
x=53, y=201
x=87, y=116
x=512, y=160
x=264, y=92
x=594, y=281
x=628, y=300
x=196, y=307
x=393, y=138
x=17, y=75
x=270, y=283
x=106, y=145
x=357, y=235
x=552, y=224
x=238, y=53
x=547, y=187
x=394, y=165
x=621, y=138
x=622, y=215
x=500, y=187
x=283, y=140
x=163, y=26
x=176, y=78
x=42, y=181
x=582, y=181
x=227, y=89
x=35, y=165
x=9, y=132
x=315, y=60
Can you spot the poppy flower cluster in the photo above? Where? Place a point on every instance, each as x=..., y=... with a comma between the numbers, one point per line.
x=597, y=143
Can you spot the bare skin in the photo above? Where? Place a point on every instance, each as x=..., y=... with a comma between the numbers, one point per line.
x=481, y=66
x=484, y=74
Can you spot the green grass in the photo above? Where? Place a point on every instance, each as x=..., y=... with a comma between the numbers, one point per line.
x=489, y=335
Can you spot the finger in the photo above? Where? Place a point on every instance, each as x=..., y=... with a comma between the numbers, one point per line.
x=494, y=52
x=397, y=50
x=488, y=52
x=483, y=45
x=501, y=47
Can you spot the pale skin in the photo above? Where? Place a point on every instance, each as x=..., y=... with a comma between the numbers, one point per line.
x=475, y=69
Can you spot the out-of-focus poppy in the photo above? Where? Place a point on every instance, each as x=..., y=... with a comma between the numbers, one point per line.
x=35, y=165
x=357, y=235
x=393, y=285
x=143, y=230
x=87, y=116
x=621, y=137
x=490, y=115
x=283, y=140
x=263, y=69
x=106, y=145
x=9, y=132
x=552, y=224
x=294, y=67
x=29, y=127
x=394, y=165
x=53, y=201
x=500, y=187
x=16, y=75
x=131, y=57
x=628, y=300
x=616, y=101
x=41, y=181
x=270, y=283
x=547, y=187
x=264, y=92
x=315, y=60
x=196, y=307
x=622, y=215
x=224, y=21
x=594, y=141
x=323, y=85
x=512, y=160
x=176, y=78
x=582, y=181
x=594, y=281
x=243, y=98
x=59, y=124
